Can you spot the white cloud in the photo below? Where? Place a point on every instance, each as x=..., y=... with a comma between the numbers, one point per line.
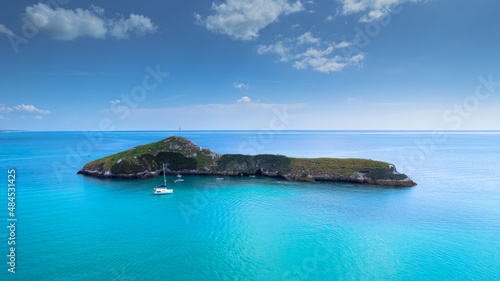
x=241, y=85
x=65, y=24
x=243, y=19
x=313, y=52
x=244, y=99
x=30, y=108
x=393, y=103
x=329, y=18
x=114, y=101
x=22, y=109
x=62, y=24
x=4, y=29
x=308, y=38
x=353, y=99
x=320, y=62
x=279, y=49
x=343, y=44
x=319, y=59
x=373, y=9
x=138, y=23
x=5, y=109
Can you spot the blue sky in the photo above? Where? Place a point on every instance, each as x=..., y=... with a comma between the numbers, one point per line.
x=237, y=64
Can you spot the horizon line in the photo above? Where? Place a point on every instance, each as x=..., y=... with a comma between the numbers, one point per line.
x=254, y=130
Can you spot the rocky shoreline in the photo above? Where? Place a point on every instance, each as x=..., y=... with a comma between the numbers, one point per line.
x=353, y=179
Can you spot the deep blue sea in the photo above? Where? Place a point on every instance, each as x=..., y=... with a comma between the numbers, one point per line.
x=72, y=227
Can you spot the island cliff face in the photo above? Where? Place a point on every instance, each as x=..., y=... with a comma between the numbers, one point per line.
x=182, y=156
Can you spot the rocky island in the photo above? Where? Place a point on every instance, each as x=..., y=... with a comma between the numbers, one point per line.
x=182, y=156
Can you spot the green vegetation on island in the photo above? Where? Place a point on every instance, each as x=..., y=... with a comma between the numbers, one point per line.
x=183, y=156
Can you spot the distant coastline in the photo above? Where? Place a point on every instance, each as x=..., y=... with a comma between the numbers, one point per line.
x=12, y=131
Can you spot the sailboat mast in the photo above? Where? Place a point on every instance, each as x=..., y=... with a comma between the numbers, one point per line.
x=164, y=179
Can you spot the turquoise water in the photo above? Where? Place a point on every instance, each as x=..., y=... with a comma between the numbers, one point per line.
x=72, y=227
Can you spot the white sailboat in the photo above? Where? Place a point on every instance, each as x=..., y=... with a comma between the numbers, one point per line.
x=162, y=189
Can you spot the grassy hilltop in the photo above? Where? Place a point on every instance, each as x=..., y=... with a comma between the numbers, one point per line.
x=179, y=153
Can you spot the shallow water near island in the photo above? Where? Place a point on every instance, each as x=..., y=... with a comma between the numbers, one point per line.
x=72, y=227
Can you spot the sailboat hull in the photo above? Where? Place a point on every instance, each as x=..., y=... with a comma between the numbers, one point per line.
x=162, y=192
